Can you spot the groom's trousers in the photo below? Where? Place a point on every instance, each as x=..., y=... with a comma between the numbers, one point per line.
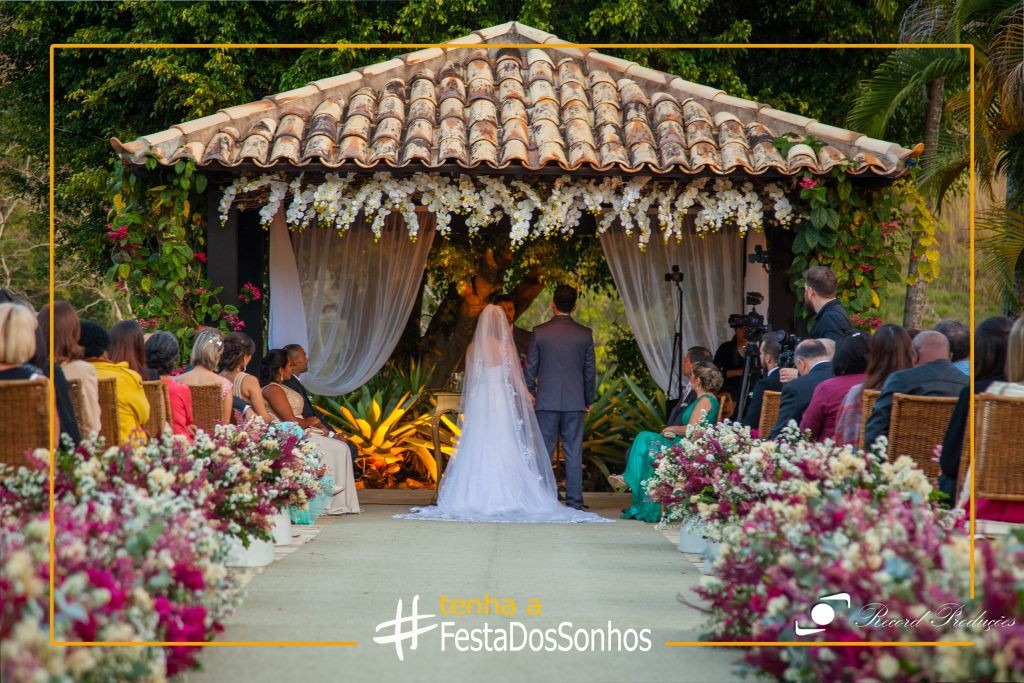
x=568, y=426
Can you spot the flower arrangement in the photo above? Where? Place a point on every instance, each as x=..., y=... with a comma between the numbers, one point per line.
x=718, y=473
x=907, y=576
x=141, y=536
x=550, y=208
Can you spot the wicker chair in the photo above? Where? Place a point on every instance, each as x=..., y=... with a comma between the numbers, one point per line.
x=726, y=406
x=24, y=419
x=770, y=405
x=998, y=460
x=206, y=408
x=917, y=426
x=110, y=423
x=77, y=401
x=868, y=397
x=159, y=407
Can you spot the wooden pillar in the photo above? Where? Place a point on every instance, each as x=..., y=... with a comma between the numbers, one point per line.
x=782, y=297
x=236, y=253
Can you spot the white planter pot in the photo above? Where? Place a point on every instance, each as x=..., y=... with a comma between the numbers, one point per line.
x=691, y=537
x=283, y=528
x=258, y=554
x=710, y=555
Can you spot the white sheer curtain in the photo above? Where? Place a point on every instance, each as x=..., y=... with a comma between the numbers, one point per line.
x=346, y=298
x=712, y=289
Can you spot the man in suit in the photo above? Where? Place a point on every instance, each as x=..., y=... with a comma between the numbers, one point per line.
x=933, y=374
x=300, y=364
x=561, y=375
x=769, y=358
x=695, y=354
x=814, y=365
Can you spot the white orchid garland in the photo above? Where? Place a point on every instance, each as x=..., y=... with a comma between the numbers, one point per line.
x=535, y=210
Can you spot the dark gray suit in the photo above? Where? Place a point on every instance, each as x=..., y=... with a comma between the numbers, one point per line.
x=770, y=383
x=560, y=372
x=796, y=395
x=937, y=378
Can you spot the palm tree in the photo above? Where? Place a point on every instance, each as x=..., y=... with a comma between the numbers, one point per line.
x=940, y=77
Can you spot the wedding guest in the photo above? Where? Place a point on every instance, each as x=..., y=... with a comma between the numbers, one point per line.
x=890, y=351
x=848, y=365
x=68, y=352
x=520, y=336
x=128, y=345
x=206, y=353
x=694, y=355
x=990, y=342
x=814, y=366
x=300, y=364
x=61, y=389
x=932, y=375
x=162, y=354
x=959, y=343
x=17, y=346
x=132, y=404
x=285, y=404
x=239, y=349
x=1010, y=511
x=769, y=359
x=706, y=380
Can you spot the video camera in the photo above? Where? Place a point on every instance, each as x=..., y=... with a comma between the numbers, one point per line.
x=752, y=323
x=788, y=342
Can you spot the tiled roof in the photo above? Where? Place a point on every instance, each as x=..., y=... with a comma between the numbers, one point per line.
x=553, y=106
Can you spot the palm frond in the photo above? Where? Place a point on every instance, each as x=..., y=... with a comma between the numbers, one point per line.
x=1001, y=244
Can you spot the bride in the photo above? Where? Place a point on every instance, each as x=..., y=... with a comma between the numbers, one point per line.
x=500, y=471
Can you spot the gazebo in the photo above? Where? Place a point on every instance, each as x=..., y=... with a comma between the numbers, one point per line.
x=550, y=137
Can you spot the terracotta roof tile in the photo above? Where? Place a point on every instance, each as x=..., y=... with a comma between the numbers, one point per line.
x=552, y=106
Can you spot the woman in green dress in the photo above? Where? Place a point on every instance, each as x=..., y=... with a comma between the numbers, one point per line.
x=706, y=381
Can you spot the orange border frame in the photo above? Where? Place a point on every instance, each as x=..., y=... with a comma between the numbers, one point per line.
x=448, y=46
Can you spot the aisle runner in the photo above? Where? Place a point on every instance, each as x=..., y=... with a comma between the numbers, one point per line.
x=301, y=535
x=671, y=533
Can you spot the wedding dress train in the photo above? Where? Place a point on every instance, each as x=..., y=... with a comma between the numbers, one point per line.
x=500, y=471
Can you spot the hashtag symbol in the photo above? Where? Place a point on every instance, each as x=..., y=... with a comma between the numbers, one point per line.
x=398, y=636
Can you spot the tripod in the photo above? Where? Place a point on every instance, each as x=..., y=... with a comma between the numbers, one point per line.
x=676, y=276
x=750, y=357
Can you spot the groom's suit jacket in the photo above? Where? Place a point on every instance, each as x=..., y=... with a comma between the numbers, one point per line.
x=560, y=365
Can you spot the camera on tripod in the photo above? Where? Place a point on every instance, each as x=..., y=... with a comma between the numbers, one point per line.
x=675, y=276
x=752, y=323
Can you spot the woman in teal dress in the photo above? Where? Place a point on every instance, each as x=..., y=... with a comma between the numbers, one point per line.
x=706, y=380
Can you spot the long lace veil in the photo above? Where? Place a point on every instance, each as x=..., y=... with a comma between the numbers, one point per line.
x=492, y=369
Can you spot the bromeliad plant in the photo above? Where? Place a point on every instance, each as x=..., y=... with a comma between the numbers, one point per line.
x=389, y=422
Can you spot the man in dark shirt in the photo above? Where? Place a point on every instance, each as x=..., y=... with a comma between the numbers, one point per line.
x=770, y=350
x=830, y=319
x=300, y=364
x=933, y=374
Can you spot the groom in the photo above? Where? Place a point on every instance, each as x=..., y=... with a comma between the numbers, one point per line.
x=560, y=374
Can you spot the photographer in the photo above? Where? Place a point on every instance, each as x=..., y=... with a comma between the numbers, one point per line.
x=729, y=359
x=830, y=319
x=769, y=359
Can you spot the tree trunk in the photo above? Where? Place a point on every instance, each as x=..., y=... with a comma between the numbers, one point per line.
x=913, y=311
x=451, y=329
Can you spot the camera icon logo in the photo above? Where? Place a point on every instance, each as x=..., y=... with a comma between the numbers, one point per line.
x=822, y=614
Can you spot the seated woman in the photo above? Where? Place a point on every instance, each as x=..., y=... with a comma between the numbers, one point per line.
x=206, y=353
x=706, y=381
x=1011, y=511
x=68, y=352
x=238, y=352
x=128, y=345
x=132, y=404
x=849, y=363
x=17, y=345
x=162, y=353
x=285, y=404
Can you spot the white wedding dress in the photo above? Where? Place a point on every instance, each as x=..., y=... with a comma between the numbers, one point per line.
x=501, y=470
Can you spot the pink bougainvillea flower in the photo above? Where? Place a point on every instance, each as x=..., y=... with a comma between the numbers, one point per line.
x=807, y=183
